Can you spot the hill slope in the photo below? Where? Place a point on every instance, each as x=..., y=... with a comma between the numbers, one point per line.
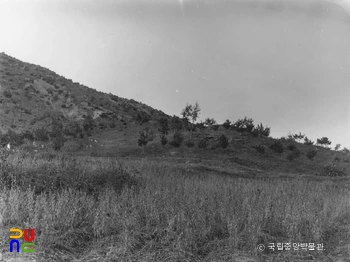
x=30, y=95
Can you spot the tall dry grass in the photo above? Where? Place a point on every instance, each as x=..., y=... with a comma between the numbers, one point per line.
x=92, y=209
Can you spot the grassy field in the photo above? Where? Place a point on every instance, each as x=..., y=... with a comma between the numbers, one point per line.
x=144, y=209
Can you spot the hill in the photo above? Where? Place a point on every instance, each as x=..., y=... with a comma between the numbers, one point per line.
x=34, y=98
x=31, y=95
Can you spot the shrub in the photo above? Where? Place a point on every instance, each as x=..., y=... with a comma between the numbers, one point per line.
x=203, y=143
x=223, y=141
x=213, y=147
x=308, y=142
x=189, y=143
x=41, y=134
x=215, y=127
x=7, y=93
x=209, y=121
x=311, y=154
x=146, y=135
x=54, y=98
x=177, y=139
x=260, y=149
x=245, y=124
x=294, y=154
x=345, y=150
x=277, y=146
x=333, y=170
x=163, y=140
x=164, y=126
x=28, y=135
x=324, y=141
x=260, y=130
x=291, y=146
x=227, y=124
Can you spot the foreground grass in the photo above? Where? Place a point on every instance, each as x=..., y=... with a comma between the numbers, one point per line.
x=105, y=210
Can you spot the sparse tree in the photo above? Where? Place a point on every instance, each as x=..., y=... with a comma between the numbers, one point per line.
x=308, y=142
x=345, y=150
x=191, y=113
x=57, y=135
x=209, y=121
x=177, y=139
x=163, y=140
x=88, y=122
x=260, y=130
x=324, y=141
x=337, y=146
x=176, y=123
x=223, y=141
x=227, y=124
x=163, y=126
x=146, y=135
x=245, y=124
x=298, y=137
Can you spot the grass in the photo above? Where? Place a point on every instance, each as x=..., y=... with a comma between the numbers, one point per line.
x=102, y=209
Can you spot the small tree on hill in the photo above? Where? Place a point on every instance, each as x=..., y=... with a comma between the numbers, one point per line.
x=298, y=137
x=57, y=135
x=200, y=125
x=245, y=124
x=227, y=124
x=223, y=141
x=345, y=150
x=164, y=126
x=259, y=131
x=308, y=142
x=146, y=135
x=176, y=123
x=177, y=139
x=191, y=113
x=163, y=140
x=88, y=122
x=337, y=146
x=324, y=141
x=209, y=121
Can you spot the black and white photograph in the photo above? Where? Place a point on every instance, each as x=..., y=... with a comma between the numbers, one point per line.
x=174, y=130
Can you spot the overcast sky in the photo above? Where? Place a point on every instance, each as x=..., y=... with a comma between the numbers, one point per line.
x=285, y=63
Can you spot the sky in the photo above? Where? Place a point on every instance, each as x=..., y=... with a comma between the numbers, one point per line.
x=285, y=63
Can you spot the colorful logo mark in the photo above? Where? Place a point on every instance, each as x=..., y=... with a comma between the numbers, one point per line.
x=27, y=246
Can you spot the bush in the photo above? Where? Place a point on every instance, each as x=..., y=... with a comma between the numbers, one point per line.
x=227, y=124
x=189, y=143
x=259, y=130
x=311, y=154
x=294, y=154
x=163, y=140
x=245, y=124
x=277, y=146
x=213, y=147
x=260, y=149
x=333, y=170
x=223, y=141
x=177, y=139
x=215, y=127
x=41, y=134
x=203, y=143
x=291, y=146
x=7, y=93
